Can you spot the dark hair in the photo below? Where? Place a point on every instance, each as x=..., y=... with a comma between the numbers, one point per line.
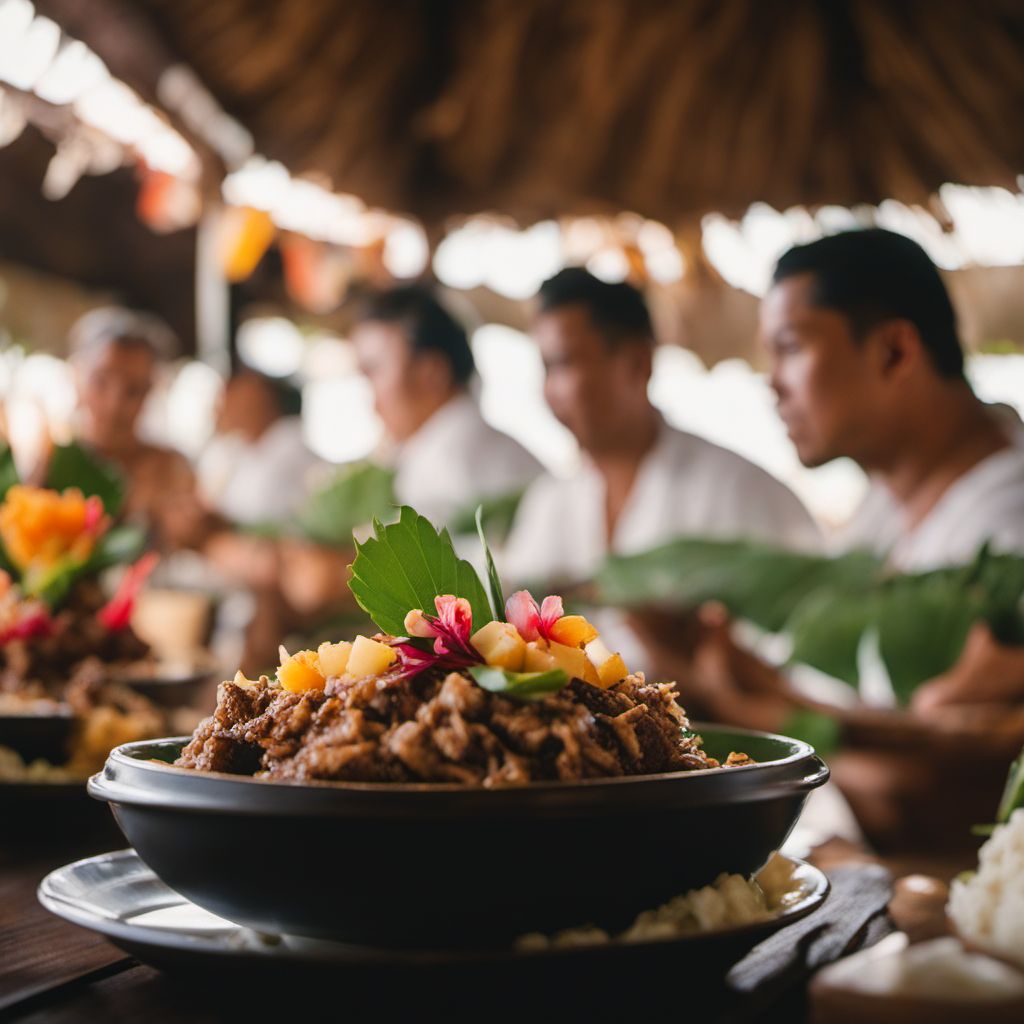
x=285, y=395
x=430, y=327
x=874, y=275
x=617, y=310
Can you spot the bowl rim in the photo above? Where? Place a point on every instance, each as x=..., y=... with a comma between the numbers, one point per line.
x=122, y=755
x=130, y=779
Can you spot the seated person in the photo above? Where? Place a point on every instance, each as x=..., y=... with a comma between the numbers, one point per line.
x=641, y=482
x=257, y=467
x=417, y=359
x=115, y=354
x=867, y=364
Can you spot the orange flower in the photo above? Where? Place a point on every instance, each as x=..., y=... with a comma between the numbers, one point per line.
x=45, y=532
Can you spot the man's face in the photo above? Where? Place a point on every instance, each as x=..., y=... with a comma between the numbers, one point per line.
x=590, y=385
x=823, y=378
x=113, y=383
x=402, y=391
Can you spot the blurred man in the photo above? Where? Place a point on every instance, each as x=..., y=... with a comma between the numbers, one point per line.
x=418, y=361
x=115, y=354
x=446, y=457
x=642, y=482
x=257, y=467
x=866, y=363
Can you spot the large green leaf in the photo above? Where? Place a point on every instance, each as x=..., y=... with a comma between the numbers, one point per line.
x=755, y=581
x=354, y=497
x=72, y=466
x=406, y=565
x=826, y=629
x=493, y=579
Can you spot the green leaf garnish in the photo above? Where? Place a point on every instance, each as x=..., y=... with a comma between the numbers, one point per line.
x=521, y=685
x=407, y=564
x=72, y=466
x=1013, y=792
x=493, y=580
x=8, y=471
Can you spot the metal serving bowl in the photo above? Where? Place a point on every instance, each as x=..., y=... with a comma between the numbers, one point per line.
x=449, y=866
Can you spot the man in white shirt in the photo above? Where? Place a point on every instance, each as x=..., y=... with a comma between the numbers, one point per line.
x=257, y=467
x=641, y=482
x=867, y=364
x=417, y=359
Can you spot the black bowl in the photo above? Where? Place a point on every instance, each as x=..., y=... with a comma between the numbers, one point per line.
x=448, y=866
x=33, y=736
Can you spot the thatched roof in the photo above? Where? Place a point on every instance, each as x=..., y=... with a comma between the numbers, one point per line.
x=535, y=107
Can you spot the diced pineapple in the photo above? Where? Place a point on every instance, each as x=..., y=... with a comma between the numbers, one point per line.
x=301, y=672
x=570, y=659
x=573, y=631
x=538, y=658
x=500, y=644
x=370, y=657
x=610, y=667
x=334, y=658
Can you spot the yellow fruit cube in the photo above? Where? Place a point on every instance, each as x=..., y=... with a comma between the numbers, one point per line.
x=538, y=658
x=570, y=659
x=370, y=657
x=500, y=644
x=334, y=658
x=301, y=672
x=573, y=631
x=610, y=667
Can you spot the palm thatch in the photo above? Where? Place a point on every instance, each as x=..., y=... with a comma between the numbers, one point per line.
x=534, y=108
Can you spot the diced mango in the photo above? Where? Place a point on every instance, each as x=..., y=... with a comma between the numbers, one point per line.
x=500, y=644
x=334, y=658
x=610, y=667
x=570, y=659
x=538, y=658
x=370, y=657
x=573, y=631
x=301, y=672
x=590, y=673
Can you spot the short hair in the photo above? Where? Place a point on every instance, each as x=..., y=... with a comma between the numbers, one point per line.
x=873, y=275
x=430, y=327
x=98, y=328
x=285, y=395
x=618, y=311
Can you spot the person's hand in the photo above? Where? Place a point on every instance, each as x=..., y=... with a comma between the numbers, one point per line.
x=313, y=577
x=986, y=673
x=248, y=559
x=715, y=676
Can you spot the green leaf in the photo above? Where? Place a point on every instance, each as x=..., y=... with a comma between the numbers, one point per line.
x=72, y=466
x=493, y=580
x=118, y=546
x=8, y=471
x=405, y=565
x=521, y=685
x=354, y=497
x=826, y=629
x=755, y=581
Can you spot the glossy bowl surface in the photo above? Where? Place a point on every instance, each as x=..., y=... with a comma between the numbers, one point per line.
x=434, y=866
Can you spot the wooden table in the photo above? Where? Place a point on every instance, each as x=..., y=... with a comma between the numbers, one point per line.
x=52, y=971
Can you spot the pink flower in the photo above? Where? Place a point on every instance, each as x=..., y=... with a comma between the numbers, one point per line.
x=450, y=630
x=533, y=621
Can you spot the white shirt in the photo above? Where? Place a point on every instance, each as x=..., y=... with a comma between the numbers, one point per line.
x=455, y=459
x=985, y=504
x=684, y=486
x=260, y=481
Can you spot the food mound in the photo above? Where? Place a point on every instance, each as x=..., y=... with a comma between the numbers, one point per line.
x=443, y=727
x=533, y=694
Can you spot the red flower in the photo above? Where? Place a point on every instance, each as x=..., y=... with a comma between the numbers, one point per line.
x=533, y=621
x=450, y=630
x=117, y=612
